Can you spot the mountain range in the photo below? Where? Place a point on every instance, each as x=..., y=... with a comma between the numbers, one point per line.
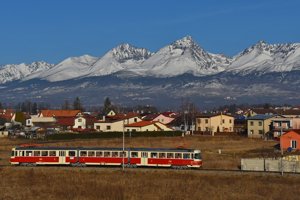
x=182, y=69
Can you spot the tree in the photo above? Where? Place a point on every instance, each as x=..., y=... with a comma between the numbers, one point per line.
x=77, y=104
x=34, y=108
x=66, y=105
x=107, y=105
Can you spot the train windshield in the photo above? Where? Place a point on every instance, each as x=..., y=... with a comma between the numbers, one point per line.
x=197, y=156
x=13, y=153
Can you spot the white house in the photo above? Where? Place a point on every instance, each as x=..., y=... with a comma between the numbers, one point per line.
x=115, y=124
x=84, y=122
x=147, y=126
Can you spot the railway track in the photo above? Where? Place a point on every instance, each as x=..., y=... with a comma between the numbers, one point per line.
x=146, y=169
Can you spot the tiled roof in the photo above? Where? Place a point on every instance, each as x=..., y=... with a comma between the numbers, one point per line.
x=60, y=113
x=65, y=121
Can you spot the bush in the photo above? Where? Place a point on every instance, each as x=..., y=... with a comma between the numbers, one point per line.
x=71, y=136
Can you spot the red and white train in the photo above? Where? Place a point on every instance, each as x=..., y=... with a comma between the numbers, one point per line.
x=83, y=156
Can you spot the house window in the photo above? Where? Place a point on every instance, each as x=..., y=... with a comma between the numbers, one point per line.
x=135, y=119
x=251, y=123
x=108, y=127
x=79, y=120
x=294, y=144
x=260, y=132
x=206, y=121
x=259, y=123
x=251, y=132
x=199, y=121
x=98, y=127
x=223, y=121
x=199, y=128
x=230, y=121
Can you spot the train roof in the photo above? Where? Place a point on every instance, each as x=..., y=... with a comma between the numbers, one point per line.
x=104, y=149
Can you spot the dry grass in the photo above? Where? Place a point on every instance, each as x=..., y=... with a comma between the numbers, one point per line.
x=112, y=183
x=73, y=183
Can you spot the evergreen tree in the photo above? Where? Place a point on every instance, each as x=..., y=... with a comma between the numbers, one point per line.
x=66, y=105
x=77, y=104
x=34, y=108
x=107, y=105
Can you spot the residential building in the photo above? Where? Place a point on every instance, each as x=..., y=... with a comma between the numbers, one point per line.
x=147, y=126
x=214, y=123
x=290, y=140
x=162, y=118
x=84, y=122
x=259, y=125
x=116, y=123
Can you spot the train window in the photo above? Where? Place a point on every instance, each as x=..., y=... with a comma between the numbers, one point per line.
x=186, y=156
x=170, y=155
x=62, y=153
x=106, y=154
x=197, y=156
x=28, y=153
x=121, y=154
x=154, y=155
x=99, y=154
x=52, y=153
x=162, y=155
x=36, y=153
x=83, y=153
x=91, y=154
x=72, y=153
x=23, y=153
x=178, y=155
x=44, y=153
x=13, y=153
x=115, y=154
x=134, y=154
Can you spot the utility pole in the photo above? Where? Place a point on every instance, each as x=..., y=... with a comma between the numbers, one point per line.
x=123, y=167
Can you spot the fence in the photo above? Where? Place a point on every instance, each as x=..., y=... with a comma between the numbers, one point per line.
x=270, y=165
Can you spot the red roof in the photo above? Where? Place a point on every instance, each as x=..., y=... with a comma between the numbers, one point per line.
x=65, y=121
x=60, y=113
x=140, y=124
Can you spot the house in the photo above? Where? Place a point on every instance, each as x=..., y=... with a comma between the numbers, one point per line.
x=146, y=126
x=65, y=123
x=290, y=140
x=258, y=125
x=214, y=123
x=84, y=122
x=280, y=124
x=116, y=122
x=162, y=118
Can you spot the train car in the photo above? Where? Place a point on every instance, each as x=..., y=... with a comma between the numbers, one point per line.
x=84, y=156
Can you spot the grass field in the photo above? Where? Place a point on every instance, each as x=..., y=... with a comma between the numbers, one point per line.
x=112, y=183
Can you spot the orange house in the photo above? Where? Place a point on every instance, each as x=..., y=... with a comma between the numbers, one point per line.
x=290, y=140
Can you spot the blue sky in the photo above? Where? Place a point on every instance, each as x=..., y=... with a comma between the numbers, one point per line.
x=52, y=30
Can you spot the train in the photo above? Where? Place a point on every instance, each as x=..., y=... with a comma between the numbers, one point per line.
x=177, y=158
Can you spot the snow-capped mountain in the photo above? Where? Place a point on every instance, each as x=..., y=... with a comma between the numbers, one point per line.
x=184, y=56
x=14, y=72
x=264, y=58
x=69, y=68
x=123, y=57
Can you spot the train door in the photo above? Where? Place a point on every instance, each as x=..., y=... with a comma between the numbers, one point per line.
x=144, y=158
x=62, y=157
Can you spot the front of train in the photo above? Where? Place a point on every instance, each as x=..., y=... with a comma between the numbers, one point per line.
x=13, y=160
x=197, y=160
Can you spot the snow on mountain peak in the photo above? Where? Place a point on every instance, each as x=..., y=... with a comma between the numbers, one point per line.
x=126, y=52
x=12, y=72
